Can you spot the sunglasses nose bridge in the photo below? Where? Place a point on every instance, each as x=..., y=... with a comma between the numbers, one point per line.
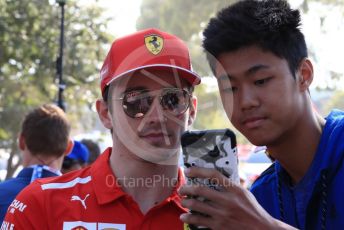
x=155, y=112
x=157, y=102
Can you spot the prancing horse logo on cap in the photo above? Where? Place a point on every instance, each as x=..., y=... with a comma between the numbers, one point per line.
x=154, y=43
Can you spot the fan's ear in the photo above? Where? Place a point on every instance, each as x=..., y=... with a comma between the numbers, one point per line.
x=70, y=146
x=305, y=74
x=22, y=143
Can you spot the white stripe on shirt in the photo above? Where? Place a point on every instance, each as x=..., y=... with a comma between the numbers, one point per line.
x=69, y=184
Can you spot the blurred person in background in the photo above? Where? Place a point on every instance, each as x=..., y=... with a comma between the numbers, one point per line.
x=93, y=148
x=43, y=140
x=77, y=159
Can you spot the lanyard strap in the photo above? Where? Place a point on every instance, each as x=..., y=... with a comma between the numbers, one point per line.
x=38, y=171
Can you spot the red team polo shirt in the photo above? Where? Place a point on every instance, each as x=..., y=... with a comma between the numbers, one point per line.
x=89, y=199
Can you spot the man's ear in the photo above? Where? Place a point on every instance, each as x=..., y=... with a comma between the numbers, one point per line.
x=305, y=74
x=193, y=110
x=70, y=146
x=22, y=143
x=104, y=113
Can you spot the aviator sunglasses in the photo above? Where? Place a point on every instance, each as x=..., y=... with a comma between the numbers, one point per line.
x=137, y=103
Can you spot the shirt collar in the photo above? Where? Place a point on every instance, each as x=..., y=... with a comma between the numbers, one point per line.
x=104, y=181
x=27, y=172
x=107, y=190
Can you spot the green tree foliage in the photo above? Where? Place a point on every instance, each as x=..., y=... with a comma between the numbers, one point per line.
x=184, y=18
x=29, y=43
x=336, y=101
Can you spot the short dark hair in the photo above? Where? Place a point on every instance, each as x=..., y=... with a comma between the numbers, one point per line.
x=46, y=131
x=269, y=24
x=106, y=94
x=93, y=148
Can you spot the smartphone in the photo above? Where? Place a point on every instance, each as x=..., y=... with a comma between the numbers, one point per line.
x=215, y=149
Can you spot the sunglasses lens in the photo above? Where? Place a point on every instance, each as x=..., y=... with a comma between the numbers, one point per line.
x=137, y=103
x=175, y=101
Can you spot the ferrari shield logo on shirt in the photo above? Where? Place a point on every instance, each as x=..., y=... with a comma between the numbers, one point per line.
x=81, y=225
x=79, y=228
x=154, y=43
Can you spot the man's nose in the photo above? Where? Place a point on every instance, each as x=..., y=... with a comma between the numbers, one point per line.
x=248, y=98
x=155, y=113
x=155, y=117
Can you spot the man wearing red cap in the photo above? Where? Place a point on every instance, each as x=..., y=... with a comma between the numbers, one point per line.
x=146, y=84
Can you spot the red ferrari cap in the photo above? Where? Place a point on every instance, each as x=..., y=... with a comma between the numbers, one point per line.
x=147, y=49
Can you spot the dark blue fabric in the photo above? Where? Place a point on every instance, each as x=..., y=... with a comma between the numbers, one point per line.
x=11, y=187
x=79, y=152
x=302, y=203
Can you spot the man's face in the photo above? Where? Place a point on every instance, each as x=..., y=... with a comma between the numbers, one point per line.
x=260, y=95
x=139, y=121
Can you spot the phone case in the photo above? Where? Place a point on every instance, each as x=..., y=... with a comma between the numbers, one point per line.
x=210, y=149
